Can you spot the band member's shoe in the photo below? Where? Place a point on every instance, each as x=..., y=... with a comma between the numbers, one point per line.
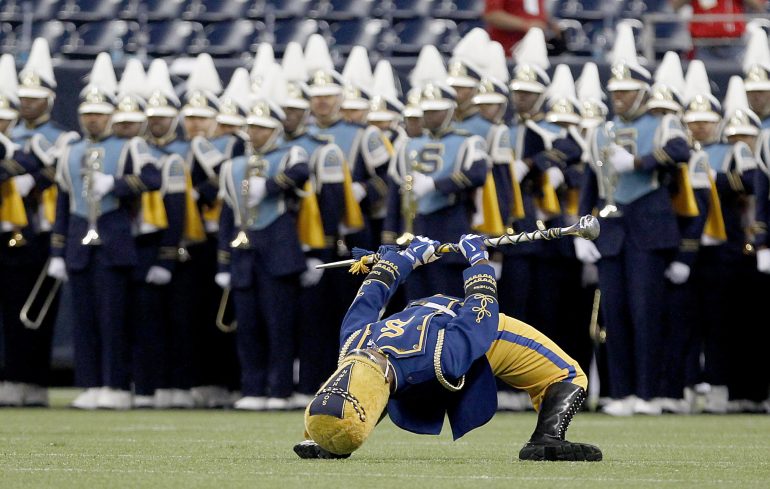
x=11, y=394
x=35, y=396
x=560, y=403
x=182, y=399
x=144, y=402
x=251, y=403
x=87, y=399
x=311, y=449
x=117, y=399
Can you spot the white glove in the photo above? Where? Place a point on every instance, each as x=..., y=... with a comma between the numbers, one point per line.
x=312, y=275
x=555, y=177
x=422, y=185
x=24, y=184
x=158, y=276
x=586, y=251
x=520, y=169
x=102, y=184
x=763, y=260
x=622, y=160
x=359, y=191
x=57, y=269
x=497, y=266
x=257, y=191
x=677, y=273
x=222, y=279
x=421, y=251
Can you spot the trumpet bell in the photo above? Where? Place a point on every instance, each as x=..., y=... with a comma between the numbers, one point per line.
x=17, y=240
x=241, y=241
x=91, y=238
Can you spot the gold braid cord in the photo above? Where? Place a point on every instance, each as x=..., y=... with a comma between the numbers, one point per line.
x=348, y=397
x=437, y=366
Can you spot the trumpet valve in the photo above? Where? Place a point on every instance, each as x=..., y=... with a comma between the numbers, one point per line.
x=91, y=238
x=241, y=241
x=17, y=240
x=405, y=239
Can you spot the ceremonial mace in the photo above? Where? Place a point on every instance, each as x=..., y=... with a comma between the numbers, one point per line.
x=586, y=227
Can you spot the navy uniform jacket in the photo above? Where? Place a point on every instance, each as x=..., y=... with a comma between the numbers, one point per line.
x=762, y=190
x=691, y=228
x=648, y=215
x=547, y=145
x=457, y=162
x=38, y=149
x=367, y=157
x=272, y=229
x=207, y=156
x=325, y=171
x=454, y=331
x=115, y=220
x=736, y=169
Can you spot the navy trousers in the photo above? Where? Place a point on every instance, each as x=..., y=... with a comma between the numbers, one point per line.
x=632, y=286
x=266, y=313
x=101, y=330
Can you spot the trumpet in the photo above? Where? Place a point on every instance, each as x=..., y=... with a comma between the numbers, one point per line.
x=32, y=299
x=408, y=200
x=224, y=326
x=608, y=175
x=92, y=164
x=256, y=167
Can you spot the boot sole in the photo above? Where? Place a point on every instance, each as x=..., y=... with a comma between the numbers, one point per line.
x=566, y=452
x=313, y=451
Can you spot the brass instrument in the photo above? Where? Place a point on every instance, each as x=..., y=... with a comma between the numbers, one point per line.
x=32, y=299
x=17, y=240
x=92, y=163
x=248, y=215
x=408, y=200
x=608, y=175
x=597, y=333
x=224, y=326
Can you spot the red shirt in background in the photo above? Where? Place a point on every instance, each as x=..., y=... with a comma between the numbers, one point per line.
x=717, y=28
x=530, y=9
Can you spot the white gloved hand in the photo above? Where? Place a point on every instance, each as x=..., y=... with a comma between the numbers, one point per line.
x=620, y=159
x=102, y=184
x=359, y=191
x=158, y=275
x=497, y=266
x=677, y=273
x=24, y=184
x=57, y=269
x=422, y=185
x=520, y=169
x=763, y=260
x=222, y=279
x=586, y=251
x=257, y=191
x=312, y=275
x=421, y=251
x=555, y=177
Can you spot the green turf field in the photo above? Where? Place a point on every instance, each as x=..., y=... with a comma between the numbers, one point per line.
x=223, y=449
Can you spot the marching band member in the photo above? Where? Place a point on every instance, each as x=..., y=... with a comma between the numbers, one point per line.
x=447, y=166
x=634, y=245
x=26, y=234
x=437, y=359
x=260, y=256
x=316, y=343
x=93, y=246
x=216, y=378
